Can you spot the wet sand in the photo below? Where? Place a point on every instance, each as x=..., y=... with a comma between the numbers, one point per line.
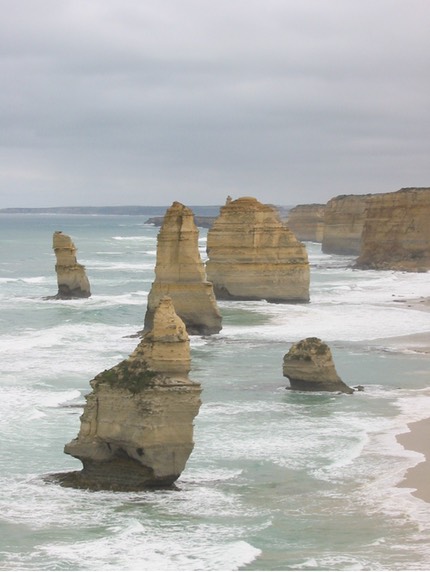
x=418, y=437
x=418, y=477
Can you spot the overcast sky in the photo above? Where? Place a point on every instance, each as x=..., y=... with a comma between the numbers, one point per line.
x=121, y=102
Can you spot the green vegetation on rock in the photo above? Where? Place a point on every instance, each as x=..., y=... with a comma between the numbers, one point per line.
x=126, y=376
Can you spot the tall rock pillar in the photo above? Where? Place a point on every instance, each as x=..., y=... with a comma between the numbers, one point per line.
x=180, y=274
x=71, y=276
x=137, y=426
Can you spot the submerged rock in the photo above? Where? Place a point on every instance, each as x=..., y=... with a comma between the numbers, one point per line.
x=71, y=276
x=180, y=274
x=137, y=426
x=309, y=366
x=254, y=256
x=396, y=233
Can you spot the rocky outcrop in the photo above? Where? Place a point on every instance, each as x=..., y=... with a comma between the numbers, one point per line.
x=137, y=426
x=71, y=276
x=201, y=221
x=343, y=224
x=180, y=274
x=254, y=256
x=307, y=222
x=396, y=233
x=309, y=366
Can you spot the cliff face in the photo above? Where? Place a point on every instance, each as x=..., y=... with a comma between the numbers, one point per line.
x=200, y=221
x=309, y=366
x=253, y=256
x=343, y=224
x=137, y=426
x=307, y=222
x=396, y=233
x=180, y=274
x=71, y=276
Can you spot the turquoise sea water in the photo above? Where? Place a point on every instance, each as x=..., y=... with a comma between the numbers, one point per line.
x=278, y=480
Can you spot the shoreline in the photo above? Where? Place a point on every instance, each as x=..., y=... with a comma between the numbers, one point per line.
x=417, y=438
x=418, y=476
x=418, y=342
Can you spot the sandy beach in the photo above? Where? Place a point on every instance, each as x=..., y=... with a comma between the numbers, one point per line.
x=419, y=342
x=418, y=477
x=418, y=437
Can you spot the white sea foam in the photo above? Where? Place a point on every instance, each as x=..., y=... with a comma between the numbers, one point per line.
x=147, y=239
x=121, y=265
x=92, y=348
x=266, y=464
x=56, y=399
x=26, y=280
x=336, y=562
x=145, y=550
x=133, y=539
x=332, y=321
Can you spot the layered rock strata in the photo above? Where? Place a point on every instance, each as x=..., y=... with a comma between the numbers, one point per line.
x=180, y=274
x=71, y=276
x=200, y=221
x=309, y=366
x=343, y=224
x=137, y=426
x=307, y=222
x=396, y=233
x=254, y=256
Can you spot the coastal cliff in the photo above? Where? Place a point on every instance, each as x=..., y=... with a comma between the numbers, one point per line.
x=254, y=256
x=71, y=276
x=307, y=222
x=180, y=274
x=396, y=232
x=309, y=366
x=137, y=426
x=344, y=217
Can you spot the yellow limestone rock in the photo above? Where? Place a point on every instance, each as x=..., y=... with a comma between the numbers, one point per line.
x=343, y=224
x=71, y=276
x=309, y=366
x=307, y=222
x=180, y=274
x=254, y=256
x=396, y=233
x=137, y=426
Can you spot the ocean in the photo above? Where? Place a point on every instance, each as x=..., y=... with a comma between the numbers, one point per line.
x=278, y=480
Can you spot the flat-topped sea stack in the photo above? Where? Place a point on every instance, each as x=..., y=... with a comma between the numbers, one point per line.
x=71, y=276
x=180, y=274
x=309, y=366
x=307, y=222
x=343, y=224
x=254, y=256
x=137, y=426
x=396, y=233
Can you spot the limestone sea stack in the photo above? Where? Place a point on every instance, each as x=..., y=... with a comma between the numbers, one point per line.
x=307, y=222
x=343, y=224
x=254, y=256
x=71, y=276
x=396, y=233
x=309, y=366
x=180, y=274
x=137, y=426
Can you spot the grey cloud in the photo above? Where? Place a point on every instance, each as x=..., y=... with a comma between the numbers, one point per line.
x=108, y=102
